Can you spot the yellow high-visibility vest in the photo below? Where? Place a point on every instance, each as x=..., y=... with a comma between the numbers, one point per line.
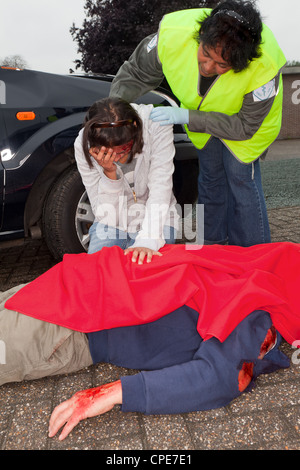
x=177, y=51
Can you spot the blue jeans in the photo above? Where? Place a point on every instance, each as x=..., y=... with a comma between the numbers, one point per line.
x=102, y=235
x=232, y=194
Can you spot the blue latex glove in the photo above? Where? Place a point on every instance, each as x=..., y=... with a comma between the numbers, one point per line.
x=166, y=115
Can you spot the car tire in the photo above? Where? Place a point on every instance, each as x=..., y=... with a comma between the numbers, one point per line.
x=67, y=215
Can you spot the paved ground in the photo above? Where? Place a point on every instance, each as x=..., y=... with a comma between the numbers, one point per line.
x=267, y=418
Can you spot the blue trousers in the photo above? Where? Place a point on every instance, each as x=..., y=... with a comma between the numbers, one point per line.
x=232, y=194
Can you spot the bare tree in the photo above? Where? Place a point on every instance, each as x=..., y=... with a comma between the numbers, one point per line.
x=16, y=61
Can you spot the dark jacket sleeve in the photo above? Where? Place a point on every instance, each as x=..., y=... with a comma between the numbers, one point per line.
x=208, y=381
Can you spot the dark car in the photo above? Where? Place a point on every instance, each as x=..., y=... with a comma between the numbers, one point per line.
x=41, y=192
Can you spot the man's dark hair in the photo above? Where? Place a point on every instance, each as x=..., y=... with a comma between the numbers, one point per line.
x=236, y=27
x=112, y=110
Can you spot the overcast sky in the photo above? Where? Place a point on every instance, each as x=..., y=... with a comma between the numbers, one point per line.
x=39, y=30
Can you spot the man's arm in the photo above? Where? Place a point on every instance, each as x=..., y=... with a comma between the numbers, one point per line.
x=82, y=405
x=140, y=74
x=218, y=373
x=143, y=73
x=242, y=125
x=239, y=126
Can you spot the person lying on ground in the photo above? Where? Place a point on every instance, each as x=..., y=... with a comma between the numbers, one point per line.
x=180, y=369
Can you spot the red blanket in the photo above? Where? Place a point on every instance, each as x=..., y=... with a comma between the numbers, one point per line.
x=223, y=283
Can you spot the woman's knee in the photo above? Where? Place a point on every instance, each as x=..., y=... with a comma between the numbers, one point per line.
x=105, y=236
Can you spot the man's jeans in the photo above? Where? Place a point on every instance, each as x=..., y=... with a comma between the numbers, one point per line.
x=102, y=235
x=233, y=198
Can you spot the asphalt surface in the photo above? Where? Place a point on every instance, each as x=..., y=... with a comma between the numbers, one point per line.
x=268, y=418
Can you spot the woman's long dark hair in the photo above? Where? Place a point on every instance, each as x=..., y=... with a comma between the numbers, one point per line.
x=236, y=27
x=112, y=110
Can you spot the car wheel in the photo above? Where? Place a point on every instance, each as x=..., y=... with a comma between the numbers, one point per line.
x=67, y=215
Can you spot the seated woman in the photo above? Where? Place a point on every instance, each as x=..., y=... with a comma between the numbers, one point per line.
x=126, y=164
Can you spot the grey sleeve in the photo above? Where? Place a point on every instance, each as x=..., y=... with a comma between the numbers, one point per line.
x=141, y=73
x=240, y=126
